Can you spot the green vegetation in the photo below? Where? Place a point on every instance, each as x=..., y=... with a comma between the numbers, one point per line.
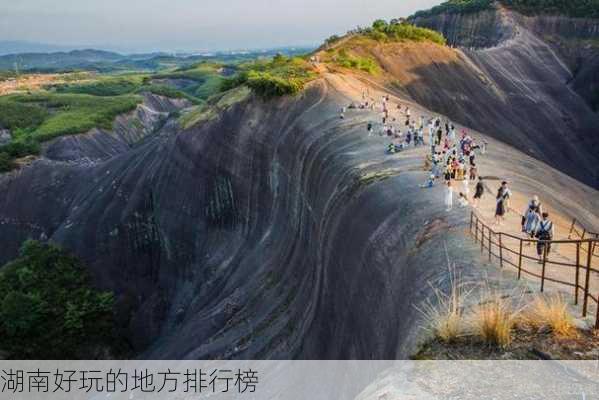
x=399, y=30
x=19, y=115
x=204, y=80
x=331, y=40
x=572, y=8
x=93, y=101
x=277, y=77
x=38, y=117
x=456, y=7
x=381, y=31
x=103, y=87
x=67, y=114
x=48, y=310
x=354, y=62
x=213, y=106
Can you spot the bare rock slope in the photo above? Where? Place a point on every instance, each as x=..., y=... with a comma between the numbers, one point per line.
x=528, y=81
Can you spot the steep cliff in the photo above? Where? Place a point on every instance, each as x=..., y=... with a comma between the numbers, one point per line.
x=536, y=88
x=576, y=40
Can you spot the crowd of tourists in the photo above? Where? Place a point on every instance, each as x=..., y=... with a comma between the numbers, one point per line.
x=452, y=159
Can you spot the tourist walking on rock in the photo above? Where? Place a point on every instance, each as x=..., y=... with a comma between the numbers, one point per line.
x=448, y=196
x=530, y=222
x=533, y=205
x=447, y=173
x=473, y=172
x=478, y=194
x=431, y=131
x=503, y=196
x=544, y=234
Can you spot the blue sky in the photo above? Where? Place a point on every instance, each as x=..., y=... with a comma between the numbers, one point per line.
x=188, y=25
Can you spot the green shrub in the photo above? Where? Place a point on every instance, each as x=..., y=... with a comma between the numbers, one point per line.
x=267, y=85
x=360, y=63
x=78, y=113
x=332, y=40
x=397, y=31
x=277, y=77
x=49, y=310
x=106, y=87
x=456, y=7
x=198, y=72
x=16, y=115
x=21, y=147
x=38, y=117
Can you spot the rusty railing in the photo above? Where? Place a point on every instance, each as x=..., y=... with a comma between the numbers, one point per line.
x=578, y=269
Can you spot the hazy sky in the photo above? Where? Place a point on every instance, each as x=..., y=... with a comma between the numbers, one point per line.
x=190, y=25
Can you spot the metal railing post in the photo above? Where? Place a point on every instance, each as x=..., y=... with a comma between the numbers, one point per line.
x=572, y=228
x=482, y=239
x=520, y=260
x=586, y=283
x=544, y=265
x=500, y=251
x=490, y=244
x=471, y=220
x=577, y=273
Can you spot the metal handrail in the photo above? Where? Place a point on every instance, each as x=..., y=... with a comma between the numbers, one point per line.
x=478, y=229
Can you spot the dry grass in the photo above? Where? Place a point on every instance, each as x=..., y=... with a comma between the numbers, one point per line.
x=443, y=314
x=493, y=321
x=449, y=318
x=551, y=312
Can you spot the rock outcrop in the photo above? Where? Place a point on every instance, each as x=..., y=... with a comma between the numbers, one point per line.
x=536, y=88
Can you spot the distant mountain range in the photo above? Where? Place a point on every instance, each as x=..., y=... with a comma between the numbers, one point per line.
x=46, y=58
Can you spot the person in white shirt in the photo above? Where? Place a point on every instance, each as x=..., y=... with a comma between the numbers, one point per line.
x=449, y=196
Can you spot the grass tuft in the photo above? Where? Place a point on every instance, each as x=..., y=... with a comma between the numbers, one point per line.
x=493, y=321
x=443, y=313
x=551, y=312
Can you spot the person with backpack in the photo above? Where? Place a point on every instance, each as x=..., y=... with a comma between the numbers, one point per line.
x=533, y=205
x=532, y=219
x=545, y=235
